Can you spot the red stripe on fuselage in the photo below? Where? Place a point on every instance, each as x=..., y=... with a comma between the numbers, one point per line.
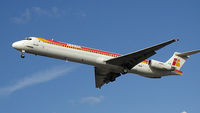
x=83, y=48
x=99, y=51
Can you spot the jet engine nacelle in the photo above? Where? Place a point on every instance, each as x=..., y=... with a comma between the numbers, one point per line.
x=160, y=65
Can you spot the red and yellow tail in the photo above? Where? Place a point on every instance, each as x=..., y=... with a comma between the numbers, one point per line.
x=178, y=59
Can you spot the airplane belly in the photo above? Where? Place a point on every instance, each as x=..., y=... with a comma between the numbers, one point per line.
x=71, y=55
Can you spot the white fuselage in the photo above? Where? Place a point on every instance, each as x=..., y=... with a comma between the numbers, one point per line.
x=40, y=47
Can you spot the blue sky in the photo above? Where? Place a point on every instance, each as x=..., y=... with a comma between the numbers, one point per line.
x=44, y=85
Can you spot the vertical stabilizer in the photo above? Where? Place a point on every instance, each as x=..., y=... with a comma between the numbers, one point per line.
x=178, y=59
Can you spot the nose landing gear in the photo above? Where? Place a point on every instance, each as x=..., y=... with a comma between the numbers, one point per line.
x=22, y=54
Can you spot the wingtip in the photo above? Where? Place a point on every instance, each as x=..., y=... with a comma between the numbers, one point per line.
x=176, y=39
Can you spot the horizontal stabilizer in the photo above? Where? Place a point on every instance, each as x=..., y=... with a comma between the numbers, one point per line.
x=186, y=54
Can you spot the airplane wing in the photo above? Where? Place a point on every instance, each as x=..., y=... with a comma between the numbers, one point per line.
x=103, y=76
x=130, y=60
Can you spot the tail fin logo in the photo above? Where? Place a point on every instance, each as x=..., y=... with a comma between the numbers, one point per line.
x=176, y=62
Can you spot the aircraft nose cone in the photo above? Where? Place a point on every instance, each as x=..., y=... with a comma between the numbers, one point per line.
x=17, y=45
x=14, y=45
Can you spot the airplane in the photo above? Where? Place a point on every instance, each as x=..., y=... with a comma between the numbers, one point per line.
x=107, y=66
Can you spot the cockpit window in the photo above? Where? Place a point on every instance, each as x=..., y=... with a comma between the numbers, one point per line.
x=28, y=39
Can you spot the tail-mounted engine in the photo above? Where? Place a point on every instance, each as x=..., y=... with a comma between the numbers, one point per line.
x=160, y=65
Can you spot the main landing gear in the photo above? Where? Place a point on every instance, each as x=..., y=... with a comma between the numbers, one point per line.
x=22, y=54
x=125, y=71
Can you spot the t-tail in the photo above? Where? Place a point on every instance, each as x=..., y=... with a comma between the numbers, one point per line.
x=178, y=59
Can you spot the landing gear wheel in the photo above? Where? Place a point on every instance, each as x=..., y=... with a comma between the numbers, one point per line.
x=22, y=56
x=22, y=53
